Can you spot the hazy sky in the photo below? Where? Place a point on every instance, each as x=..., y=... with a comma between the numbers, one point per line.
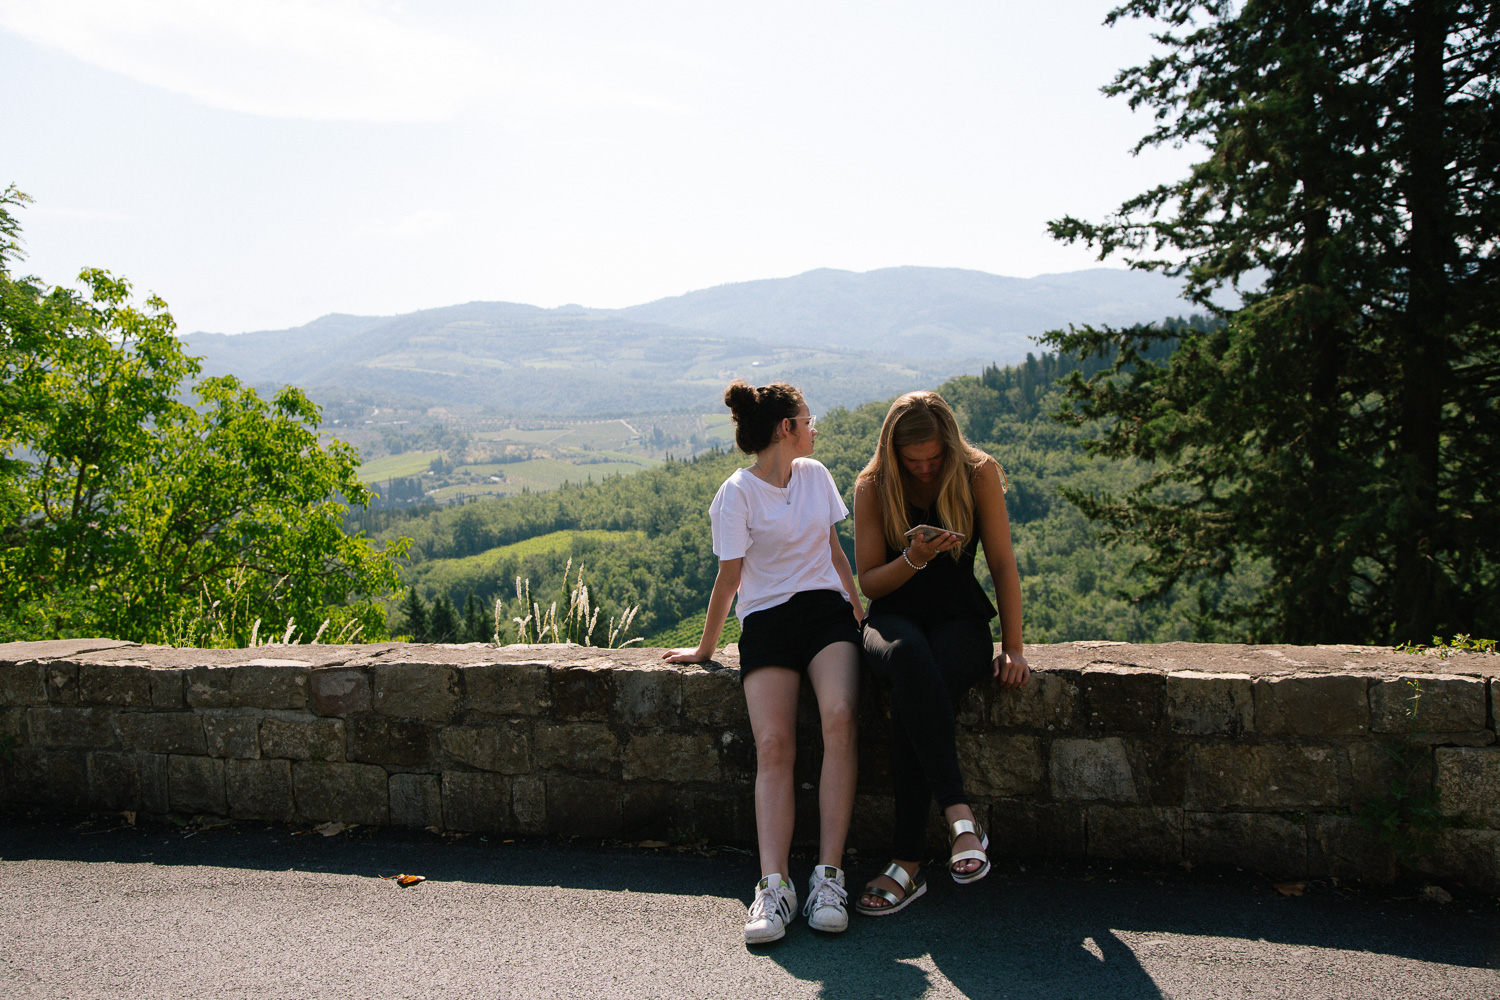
x=262, y=163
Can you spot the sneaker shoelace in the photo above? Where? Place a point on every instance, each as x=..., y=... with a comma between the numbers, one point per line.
x=765, y=904
x=826, y=892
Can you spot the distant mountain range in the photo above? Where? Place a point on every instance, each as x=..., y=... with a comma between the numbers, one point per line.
x=843, y=337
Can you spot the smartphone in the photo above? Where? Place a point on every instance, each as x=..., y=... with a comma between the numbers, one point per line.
x=928, y=532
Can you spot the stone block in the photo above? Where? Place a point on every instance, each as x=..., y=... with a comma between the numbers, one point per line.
x=578, y=746
x=507, y=688
x=476, y=801
x=999, y=763
x=155, y=776
x=738, y=763
x=1152, y=834
x=304, y=739
x=664, y=812
x=1208, y=704
x=264, y=684
x=393, y=742
x=1345, y=848
x=13, y=730
x=231, y=733
x=528, y=799
x=583, y=807
x=1091, y=770
x=1319, y=706
x=1430, y=706
x=1225, y=778
x=86, y=728
x=349, y=793
x=123, y=685
x=1468, y=781
x=50, y=777
x=339, y=691
x=416, y=800
x=973, y=708
x=1264, y=842
x=1122, y=699
x=671, y=757
x=196, y=785
x=1471, y=857
x=22, y=684
x=114, y=781
x=169, y=688
x=426, y=691
x=1027, y=828
x=62, y=683
x=162, y=732
x=648, y=696
x=582, y=693
x=1378, y=769
x=1049, y=701
x=1158, y=769
x=259, y=789
x=714, y=698
x=869, y=829
x=210, y=687
x=503, y=747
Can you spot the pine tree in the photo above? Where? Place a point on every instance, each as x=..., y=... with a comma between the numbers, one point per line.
x=1341, y=427
x=415, y=613
x=476, y=627
x=441, y=626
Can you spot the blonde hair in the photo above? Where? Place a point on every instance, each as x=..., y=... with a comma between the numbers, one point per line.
x=917, y=418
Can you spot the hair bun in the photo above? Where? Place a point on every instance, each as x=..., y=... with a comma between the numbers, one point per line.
x=739, y=396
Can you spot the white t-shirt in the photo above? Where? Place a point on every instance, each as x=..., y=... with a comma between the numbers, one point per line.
x=781, y=534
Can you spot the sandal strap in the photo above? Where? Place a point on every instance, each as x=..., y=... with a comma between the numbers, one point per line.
x=967, y=856
x=897, y=874
x=959, y=827
x=885, y=894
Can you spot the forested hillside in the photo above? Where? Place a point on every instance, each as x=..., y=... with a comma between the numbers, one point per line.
x=644, y=539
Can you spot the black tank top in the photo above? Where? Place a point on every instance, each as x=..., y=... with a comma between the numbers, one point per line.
x=944, y=590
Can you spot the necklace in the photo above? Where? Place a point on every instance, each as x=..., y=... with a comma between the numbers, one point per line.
x=786, y=491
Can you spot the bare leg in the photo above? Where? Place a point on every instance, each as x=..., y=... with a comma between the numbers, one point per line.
x=834, y=673
x=771, y=697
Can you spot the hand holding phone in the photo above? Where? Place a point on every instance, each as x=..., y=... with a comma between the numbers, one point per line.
x=927, y=532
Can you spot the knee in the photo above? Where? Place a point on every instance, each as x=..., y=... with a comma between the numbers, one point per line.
x=776, y=751
x=911, y=664
x=840, y=723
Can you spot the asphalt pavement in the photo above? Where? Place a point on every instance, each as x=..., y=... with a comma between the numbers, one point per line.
x=102, y=908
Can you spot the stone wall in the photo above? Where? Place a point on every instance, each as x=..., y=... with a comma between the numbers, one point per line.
x=1258, y=756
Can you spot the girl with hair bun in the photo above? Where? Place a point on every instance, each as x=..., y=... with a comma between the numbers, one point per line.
x=921, y=507
x=773, y=531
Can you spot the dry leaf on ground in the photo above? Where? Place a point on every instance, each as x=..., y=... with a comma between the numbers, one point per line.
x=1290, y=888
x=406, y=880
x=331, y=828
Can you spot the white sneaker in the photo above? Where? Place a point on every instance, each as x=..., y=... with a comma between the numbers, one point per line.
x=775, y=906
x=825, y=900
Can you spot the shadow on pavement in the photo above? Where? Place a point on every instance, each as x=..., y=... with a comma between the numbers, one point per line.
x=1035, y=931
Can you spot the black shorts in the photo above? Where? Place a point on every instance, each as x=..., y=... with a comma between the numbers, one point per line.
x=791, y=634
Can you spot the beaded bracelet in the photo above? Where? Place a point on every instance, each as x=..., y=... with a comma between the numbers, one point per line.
x=908, y=561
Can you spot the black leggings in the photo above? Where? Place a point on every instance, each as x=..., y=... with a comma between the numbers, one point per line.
x=928, y=671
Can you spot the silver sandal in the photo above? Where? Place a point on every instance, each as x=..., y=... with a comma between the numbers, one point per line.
x=912, y=888
x=959, y=828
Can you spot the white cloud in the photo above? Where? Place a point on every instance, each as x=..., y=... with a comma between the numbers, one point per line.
x=331, y=60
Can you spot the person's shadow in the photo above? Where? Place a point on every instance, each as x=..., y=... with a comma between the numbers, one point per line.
x=983, y=944
x=1061, y=933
